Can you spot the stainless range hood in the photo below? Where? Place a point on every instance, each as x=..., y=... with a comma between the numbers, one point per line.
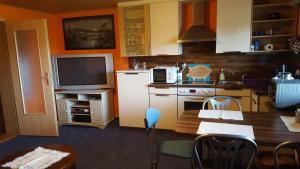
x=198, y=32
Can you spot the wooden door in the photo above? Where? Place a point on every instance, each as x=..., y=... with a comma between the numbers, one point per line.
x=33, y=87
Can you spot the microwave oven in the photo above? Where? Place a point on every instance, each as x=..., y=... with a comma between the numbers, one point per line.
x=163, y=74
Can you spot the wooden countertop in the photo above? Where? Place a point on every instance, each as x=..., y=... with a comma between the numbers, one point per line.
x=268, y=127
x=258, y=90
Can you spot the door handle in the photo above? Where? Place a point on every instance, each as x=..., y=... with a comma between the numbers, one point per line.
x=46, y=78
x=196, y=98
x=131, y=73
x=162, y=95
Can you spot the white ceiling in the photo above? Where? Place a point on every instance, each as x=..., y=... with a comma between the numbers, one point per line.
x=60, y=6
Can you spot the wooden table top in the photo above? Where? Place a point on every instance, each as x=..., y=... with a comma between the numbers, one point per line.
x=69, y=162
x=268, y=128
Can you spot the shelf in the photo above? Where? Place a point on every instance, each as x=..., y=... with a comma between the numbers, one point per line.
x=272, y=5
x=273, y=20
x=81, y=105
x=273, y=36
x=273, y=51
x=81, y=114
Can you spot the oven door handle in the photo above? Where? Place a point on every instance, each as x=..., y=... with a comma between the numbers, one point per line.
x=196, y=98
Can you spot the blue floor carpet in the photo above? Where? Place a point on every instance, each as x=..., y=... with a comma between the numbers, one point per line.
x=111, y=148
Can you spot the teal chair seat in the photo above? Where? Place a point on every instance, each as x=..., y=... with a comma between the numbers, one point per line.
x=179, y=148
x=176, y=148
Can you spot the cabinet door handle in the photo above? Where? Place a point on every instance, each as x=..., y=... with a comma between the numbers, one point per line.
x=254, y=101
x=162, y=95
x=197, y=98
x=133, y=73
x=236, y=97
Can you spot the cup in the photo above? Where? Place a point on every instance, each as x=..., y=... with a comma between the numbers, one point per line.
x=144, y=65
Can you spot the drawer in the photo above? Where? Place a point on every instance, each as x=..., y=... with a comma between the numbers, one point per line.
x=163, y=90
x=230, y=92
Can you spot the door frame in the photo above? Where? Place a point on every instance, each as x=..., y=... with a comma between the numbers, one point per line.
x=7, y=91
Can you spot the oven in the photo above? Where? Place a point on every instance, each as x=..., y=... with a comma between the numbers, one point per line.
x=193, y=98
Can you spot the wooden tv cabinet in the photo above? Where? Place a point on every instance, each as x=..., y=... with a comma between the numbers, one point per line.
x=85, y=107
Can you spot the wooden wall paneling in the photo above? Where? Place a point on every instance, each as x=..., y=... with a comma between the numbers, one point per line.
x=234, y=64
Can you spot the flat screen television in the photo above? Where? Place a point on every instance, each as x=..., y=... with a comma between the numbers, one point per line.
x=83, y=71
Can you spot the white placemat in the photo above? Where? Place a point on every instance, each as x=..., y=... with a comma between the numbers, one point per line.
x=225, y=128
x=290, y=123
x=39, y=158
x=221, y=114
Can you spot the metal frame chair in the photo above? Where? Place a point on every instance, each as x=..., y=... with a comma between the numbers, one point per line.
x=176, y=148
x=295, y=146
x=224, y=151
x=221, y=105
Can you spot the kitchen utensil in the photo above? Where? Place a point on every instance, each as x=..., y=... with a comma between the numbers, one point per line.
x=283, y=75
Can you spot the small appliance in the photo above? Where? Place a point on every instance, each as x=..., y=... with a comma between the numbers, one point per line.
x=164, y=74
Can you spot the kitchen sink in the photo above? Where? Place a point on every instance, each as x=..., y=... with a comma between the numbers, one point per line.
x=230, y=82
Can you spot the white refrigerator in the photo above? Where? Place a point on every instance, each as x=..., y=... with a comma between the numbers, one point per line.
x=133, y=96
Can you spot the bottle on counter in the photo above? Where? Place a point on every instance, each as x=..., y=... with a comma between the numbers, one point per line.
x=222, y=75
x=135, y=64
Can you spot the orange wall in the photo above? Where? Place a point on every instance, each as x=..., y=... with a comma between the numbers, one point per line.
x=55, y=32
x=56, y=36
x=119, y=62
x=211, y=14
x=14, y=13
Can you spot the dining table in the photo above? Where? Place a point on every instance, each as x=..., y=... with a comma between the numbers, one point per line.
x=268, y=128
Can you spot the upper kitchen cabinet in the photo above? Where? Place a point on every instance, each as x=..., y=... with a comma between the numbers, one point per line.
x=149, y=27
x=274, y=22
x=134, y=26
x=233, y=26
x=165, y=27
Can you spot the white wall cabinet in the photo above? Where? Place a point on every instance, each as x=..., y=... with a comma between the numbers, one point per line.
x=89, y=108
x=152, y=28
x=133, y=97
x=166, y=103
x=165, y=27
x=233, y=25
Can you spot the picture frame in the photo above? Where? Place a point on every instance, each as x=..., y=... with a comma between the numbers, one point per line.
x=89, y=32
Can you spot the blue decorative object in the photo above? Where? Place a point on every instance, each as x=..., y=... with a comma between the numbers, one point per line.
x=256, y=44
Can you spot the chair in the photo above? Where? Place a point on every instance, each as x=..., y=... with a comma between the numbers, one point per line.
x=219, y=151
x=176, y=148
x=295, y=147
x=221, y=103
x=284, y=156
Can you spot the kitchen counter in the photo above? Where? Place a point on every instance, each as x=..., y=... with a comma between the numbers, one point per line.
x=257, y=90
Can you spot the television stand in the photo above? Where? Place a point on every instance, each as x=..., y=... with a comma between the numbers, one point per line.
x=85, y=107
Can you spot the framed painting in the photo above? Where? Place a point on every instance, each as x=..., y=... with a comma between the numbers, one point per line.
x=89, y=32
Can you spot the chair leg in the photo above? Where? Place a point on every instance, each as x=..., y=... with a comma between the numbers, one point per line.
x=192, y=164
